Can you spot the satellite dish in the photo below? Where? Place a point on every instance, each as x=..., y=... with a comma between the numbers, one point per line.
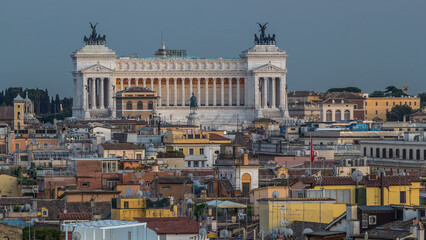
x=76, y=236
x=202, y=232
x=223, y=233
x=286, y=231
x=139, y=193
x=308, y=172
x=275, y=194
x=306, y=230
x=357, y=176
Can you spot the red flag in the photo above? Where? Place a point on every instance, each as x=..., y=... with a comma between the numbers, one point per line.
x=312, y=152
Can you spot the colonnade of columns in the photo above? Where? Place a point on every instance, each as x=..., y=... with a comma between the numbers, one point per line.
x=210, y=91
x=97, y=93
x=270, y=92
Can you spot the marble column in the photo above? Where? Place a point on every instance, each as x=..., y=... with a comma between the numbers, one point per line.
x=238, y=92
x=265, y=93
x=93, y=94
x=152, y=84
x=137, y=82
x=214, y=91
x=222, y=92
x=129, y=81
x=183, y=91
x=190, y=87
x=84, y=101
x=159, y=91
x=144, y=82
x=110, y=94
x=230, y=92
x=175, y=92
x=167, y=92
x=273, y=91
x=256, y=93
x=199, y=89
x=207, y=92
x=101, y=93
x=121, y=84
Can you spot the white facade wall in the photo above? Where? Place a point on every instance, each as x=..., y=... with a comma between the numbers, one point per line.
x=98, y=74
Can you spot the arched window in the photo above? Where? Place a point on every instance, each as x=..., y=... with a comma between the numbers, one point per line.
x=150, y=105
x=328, y=117
x=129, y=105
x=19, y=115
x=140, y=105
x=347, y=115
x=338, y=115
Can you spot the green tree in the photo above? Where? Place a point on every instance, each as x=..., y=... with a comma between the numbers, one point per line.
x=377, y=94
x=398, y=112
x=422, y=97
x=346, y=89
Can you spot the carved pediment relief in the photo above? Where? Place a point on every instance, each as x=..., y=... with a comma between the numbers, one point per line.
x=97, y=68
x=268, y=68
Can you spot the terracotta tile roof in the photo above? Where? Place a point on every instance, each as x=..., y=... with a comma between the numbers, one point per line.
x=6, y=113
x=75, y=216
x=171, y=225
x=387, y=181
x=15, y=200
x=173, y=180
x=392, y=230
x=57, y=206
x=217, y=137
x=120, y=146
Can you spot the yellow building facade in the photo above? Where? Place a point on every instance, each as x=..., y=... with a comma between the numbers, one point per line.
x=9, y=186
x=273, y=213
x=408, y=195
x=127, y=209
x=377, y=107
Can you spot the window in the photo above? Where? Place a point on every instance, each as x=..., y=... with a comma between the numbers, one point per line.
x=377, y=103
x=409, y=103
x=347, y=115
x=328, y=116
x=191, y=151
x=126, y=204
x=387, y=104
x=365, y=103
x=166, y=188
x=201, y=151
x=384, y=153
x=211, y=188
x=16, y=146
x=180, y=149
x=377, y=112
x=415, y=103
x=390, y=153
x=365, y=151
x=138, y=156
x=85, y=184
x=411, y=154
x=402, y=197
x=44, y=213
x=196, y=163
x=129, y=105
x=338, y=115
x=404, y=153
x=19, y=115
x=150, y=105
x=397, y=153
x=393, y=103
x=140, y=105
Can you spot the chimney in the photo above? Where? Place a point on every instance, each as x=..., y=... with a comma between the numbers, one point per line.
x=246, y=159
x=353, y=227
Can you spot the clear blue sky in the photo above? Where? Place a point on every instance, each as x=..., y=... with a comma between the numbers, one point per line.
x=366, y=43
